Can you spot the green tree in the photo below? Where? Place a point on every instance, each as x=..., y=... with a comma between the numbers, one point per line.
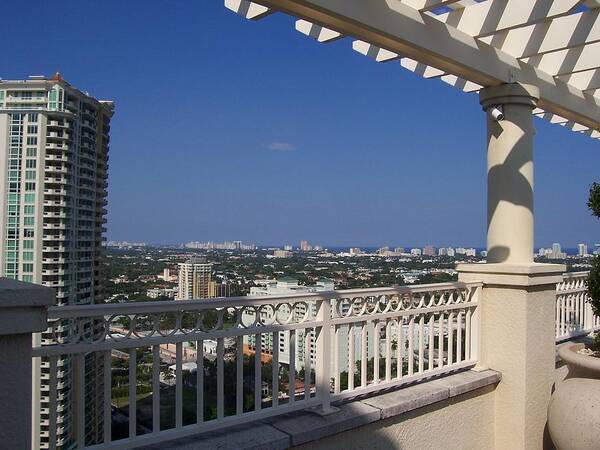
x=593, y=282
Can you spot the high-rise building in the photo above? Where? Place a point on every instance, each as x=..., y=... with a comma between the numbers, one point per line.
x=194, y=279
x=582, y=249
x=54, y=143
x=305, y=246
x=429, y=250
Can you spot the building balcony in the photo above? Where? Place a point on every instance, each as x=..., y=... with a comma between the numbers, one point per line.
x=400, y=358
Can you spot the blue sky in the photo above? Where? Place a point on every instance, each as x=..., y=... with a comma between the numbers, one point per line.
x=230, y=129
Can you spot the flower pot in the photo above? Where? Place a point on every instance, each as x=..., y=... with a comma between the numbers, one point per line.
x=574, y=411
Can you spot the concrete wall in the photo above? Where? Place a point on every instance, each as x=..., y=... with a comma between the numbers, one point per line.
x=463, y=423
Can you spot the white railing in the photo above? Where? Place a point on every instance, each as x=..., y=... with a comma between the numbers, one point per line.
x=574, y=316
x=260, y=357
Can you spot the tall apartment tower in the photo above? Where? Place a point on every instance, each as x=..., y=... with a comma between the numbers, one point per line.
x=194, y=280
x=53, y=160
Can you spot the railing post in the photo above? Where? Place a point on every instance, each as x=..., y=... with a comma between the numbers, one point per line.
x=476, y=331
x=23, y=311
x=323, y=363
x=518, y=307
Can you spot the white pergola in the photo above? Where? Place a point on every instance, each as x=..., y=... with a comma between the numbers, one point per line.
x=471, y=44
x=525, y=58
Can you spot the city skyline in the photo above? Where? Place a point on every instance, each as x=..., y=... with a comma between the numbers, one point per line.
x=356, y=169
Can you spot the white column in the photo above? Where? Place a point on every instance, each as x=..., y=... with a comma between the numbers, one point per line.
x=518, y=299
x=510, y=172
x=23, y=309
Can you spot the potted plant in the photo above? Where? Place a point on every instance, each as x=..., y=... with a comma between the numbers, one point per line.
x=574, y=412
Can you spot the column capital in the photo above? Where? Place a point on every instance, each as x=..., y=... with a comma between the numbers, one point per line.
x=509, y=93
x=24, y=306
x=516, y=276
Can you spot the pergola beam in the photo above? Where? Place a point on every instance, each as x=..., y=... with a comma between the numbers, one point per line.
x=400, y=29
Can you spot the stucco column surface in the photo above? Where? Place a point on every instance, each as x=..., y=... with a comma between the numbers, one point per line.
x=23, y=311
x=510, y=172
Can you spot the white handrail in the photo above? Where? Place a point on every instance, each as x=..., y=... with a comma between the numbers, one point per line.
x=337, y=344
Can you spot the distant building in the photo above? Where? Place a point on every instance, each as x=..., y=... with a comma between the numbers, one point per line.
x=217, y=290
x=158, y=293
x=429, y=250
x=305, y=246
x=356, y=251
x=450, y=251
x=194, y=279
x=282, y=254
x=582, y=250
x=399, y=250
x=289, y=285
x=288, y=247
x=442, y=251
x=416, y=252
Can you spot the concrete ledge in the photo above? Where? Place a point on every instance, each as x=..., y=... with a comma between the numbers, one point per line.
x=304, y=426
x=23, y=306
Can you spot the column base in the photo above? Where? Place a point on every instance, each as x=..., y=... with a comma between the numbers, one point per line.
x=517, y=338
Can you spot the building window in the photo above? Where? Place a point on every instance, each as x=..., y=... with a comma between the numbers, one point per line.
x=32, y=152
x=32, y=140
x=27, y=256
x=28, y=221
x=30, y=198
x=28, y=278
x=28, y=244
x=30, y=163
x=29, y=210
x=32, y=117
x=28, y=233
x=28, y=268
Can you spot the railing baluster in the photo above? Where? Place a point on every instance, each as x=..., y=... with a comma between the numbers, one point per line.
x=376, y=356
x=155, y=388
x=178, y=385
x=336, y=360
x=468, y=335
x=275, y=372
x=239, y=375
x=421, y=343
x=307, y=367
x=400, y=348
x=220, y=379
x=107, y=389
x=292, y=374
x=52, y=404
x=132, y=393
x=388, y=351
x=411, y=350
x=351, y=358
x=200, y=379
x=450, y=338
x=323, y=354
x=441, y=340
x=459, y=357
x=430, y=343
x=257, y=372
x=363, y=354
